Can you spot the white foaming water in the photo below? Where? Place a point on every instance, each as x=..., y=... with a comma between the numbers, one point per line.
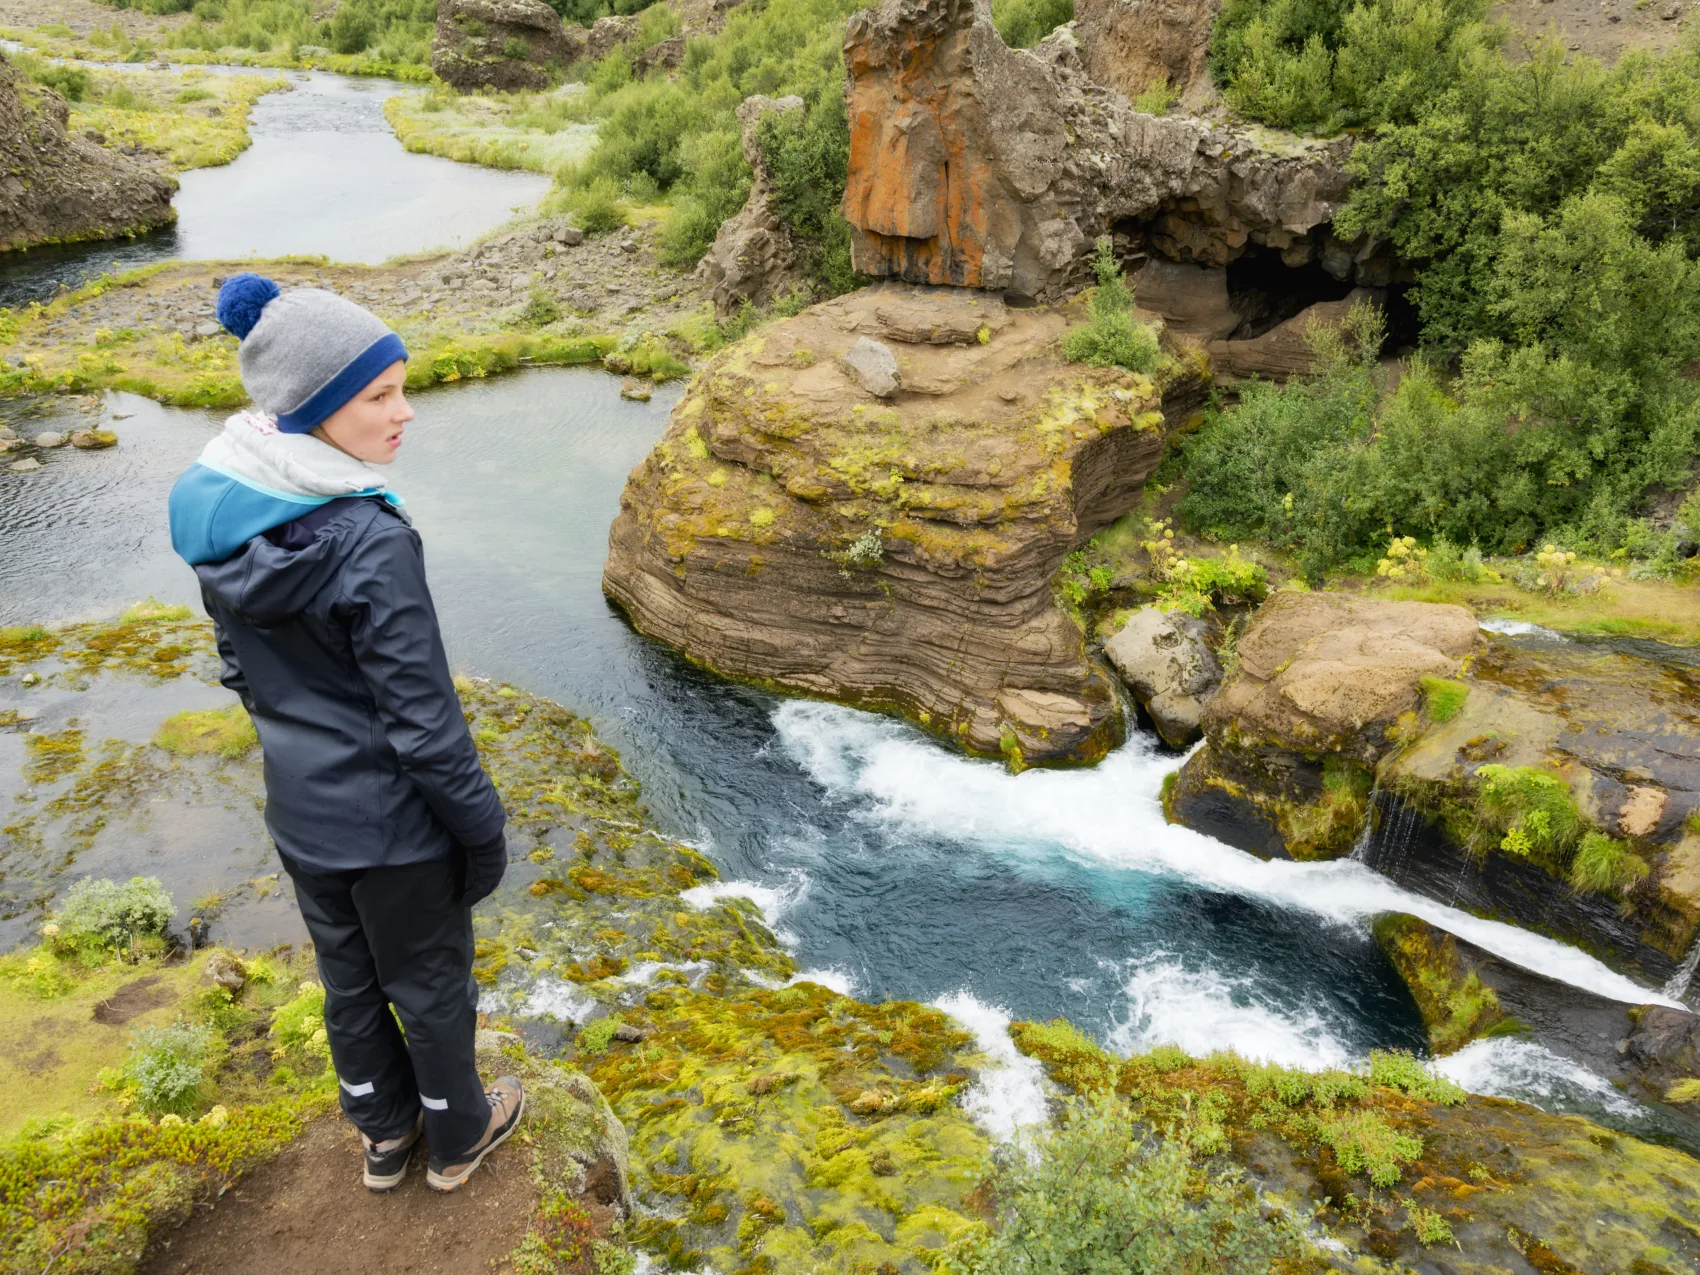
x=544, y=995
x=1518, y=628
x=1202, y=1011
x=1010, y=1093
x=1506, y=1067
x=834, y=980
x=772, y=902
x=1111, y=813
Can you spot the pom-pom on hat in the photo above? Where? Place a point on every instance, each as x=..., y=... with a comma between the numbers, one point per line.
x=304, y=352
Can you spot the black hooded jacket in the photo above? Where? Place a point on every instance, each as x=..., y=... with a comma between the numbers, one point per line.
x=327, y=632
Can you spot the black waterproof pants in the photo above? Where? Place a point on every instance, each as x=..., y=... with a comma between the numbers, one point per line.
x=399, y=936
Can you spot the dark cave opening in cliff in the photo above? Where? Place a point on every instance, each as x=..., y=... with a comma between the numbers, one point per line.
x=1265, y=291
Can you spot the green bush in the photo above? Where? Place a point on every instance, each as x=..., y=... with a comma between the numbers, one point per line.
x=1097, y=1195
x=165, y=1065
x=1023, y=23
x=1396, y=1069
x=1316, y=65
x=1605, y=865
x=1533, y=809
x=71, y=83
x=106, y=914
x=393, y=30
x=1112, y=337
x=1363, y=1142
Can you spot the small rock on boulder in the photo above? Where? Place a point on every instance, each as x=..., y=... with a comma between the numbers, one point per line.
x=1163, y=658
x=874, y=367
x=506, y=45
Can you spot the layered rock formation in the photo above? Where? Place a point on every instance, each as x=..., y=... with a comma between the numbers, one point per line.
x=56, y=188
x=982, y=166
x=1553, y=786
x=896, y=551
x=506, y=45
x=753, y=257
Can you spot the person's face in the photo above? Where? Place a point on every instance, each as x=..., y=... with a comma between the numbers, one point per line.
x=369, y=426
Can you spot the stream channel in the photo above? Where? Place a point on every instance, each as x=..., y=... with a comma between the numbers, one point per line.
x=893, y=867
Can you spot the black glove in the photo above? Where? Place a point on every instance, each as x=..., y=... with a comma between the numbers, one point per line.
x=484, y=868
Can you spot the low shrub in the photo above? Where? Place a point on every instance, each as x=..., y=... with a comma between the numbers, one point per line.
x=1097, y=1185
x=1112, y=337
x=103, y=913
x=164, y=1069
x=1023, y=23
x=1363, y=1142
x=1531, y=807
x=1443, y=698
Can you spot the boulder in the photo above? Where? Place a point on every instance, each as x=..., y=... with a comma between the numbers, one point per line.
x=1296, y=734
x=56, y=187
x=898, y=553
x=1192, y=299
x=665, y=55
x=983, y=166
x=873, y=366
x=1163, y=658
x=506, y=45
x=753, y=257
x=604, y=35
x=1285, y=350
x=50, y=438
x=1134, y=45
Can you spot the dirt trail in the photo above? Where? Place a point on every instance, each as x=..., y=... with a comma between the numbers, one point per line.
x=306, y=1213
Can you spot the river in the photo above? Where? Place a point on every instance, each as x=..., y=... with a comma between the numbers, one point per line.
x=892, y=866
x=325, y=175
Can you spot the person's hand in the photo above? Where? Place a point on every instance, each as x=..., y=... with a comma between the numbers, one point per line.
x=484, y=868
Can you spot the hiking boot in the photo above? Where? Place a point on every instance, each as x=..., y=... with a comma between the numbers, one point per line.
x=507, y=1104
x=386, y=1161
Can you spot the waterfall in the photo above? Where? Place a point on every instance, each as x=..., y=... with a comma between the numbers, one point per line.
x=1677, y=986
x=1360, y=851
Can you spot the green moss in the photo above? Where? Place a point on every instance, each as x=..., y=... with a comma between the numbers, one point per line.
x=52, y=755
x=1455, y=1006
x=223, y=732
x=1443, y=698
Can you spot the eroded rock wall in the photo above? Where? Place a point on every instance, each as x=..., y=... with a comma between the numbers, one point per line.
x=870, y=502
x=753, y=257
x=55, y=187
x=507, y=45
x=982, y=166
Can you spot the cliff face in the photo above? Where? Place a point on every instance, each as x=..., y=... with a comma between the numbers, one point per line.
x=58, y=188
x=983, y=166
x=869, y=502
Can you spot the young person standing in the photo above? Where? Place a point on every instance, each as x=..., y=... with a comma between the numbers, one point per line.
x=383, y=817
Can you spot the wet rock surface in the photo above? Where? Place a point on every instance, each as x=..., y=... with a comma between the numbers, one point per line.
x=794, y=529
x=58, y=188
x=982, y=166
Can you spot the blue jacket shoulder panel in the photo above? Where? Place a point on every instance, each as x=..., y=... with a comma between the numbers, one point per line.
x=213, y=515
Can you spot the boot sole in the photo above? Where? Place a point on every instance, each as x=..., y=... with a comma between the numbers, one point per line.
x=438, y=1182
x=388, y=1182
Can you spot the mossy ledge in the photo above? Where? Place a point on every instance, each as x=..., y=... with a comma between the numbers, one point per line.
x=900, y=552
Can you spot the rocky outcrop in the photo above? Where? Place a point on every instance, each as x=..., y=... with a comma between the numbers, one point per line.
x=1286, y=349
x=1165, y=661
x=56, y=188
x=1296, y=735
x=796, y=530
x=1135, y=45
x=753, y=257
x=983, y=166
x=506, y=45
x=1466, y=993
x=604, y=35
x=1551, y=785
x=1606, y=744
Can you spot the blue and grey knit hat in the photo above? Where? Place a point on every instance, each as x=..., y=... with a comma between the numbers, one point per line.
x=305, y=352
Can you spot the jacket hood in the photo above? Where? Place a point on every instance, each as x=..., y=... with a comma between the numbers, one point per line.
x=249, y=480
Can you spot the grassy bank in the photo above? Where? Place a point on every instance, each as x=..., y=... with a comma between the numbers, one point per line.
x=190, y=119
x=126, y=333
x=526, y=131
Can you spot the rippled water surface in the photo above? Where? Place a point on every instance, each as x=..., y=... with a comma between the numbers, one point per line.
x=896, y=868
x=325, y=175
